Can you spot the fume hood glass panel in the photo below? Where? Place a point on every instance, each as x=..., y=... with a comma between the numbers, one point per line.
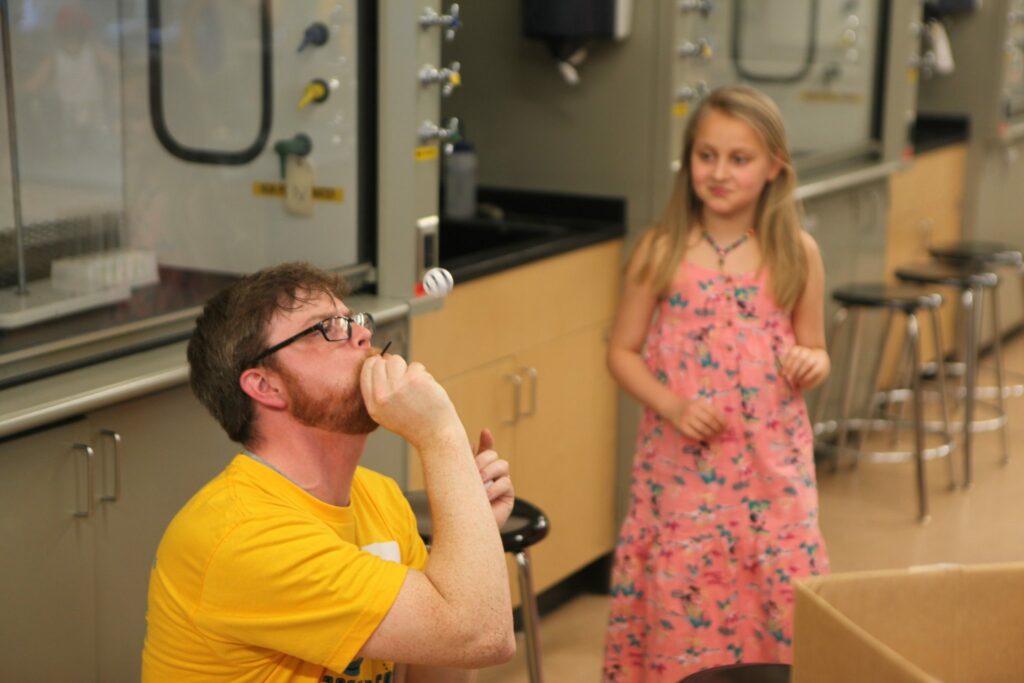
x=162, y=151
x=818, y=59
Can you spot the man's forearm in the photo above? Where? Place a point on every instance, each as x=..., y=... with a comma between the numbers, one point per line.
x=467, y=561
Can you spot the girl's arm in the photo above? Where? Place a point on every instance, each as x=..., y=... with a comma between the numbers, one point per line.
x=807, y=365
x=696, y=419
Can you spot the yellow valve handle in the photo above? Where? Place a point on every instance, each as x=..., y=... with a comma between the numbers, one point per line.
x=315, y=92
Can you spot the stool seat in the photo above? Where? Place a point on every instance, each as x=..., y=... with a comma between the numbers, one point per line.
x=742, y=673
x=525, y=526
x=979, y=252
x=879, y=295
x=964, y=277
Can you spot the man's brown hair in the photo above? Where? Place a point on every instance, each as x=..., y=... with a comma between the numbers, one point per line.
x=231, y=331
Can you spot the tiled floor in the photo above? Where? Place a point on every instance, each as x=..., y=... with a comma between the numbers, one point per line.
x=868, y=516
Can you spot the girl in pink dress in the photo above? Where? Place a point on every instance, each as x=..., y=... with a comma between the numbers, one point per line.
x=719, y=329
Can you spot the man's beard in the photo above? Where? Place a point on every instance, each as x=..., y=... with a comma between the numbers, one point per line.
x=344, y=412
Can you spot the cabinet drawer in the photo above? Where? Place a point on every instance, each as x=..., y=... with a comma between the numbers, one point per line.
x=935, y=178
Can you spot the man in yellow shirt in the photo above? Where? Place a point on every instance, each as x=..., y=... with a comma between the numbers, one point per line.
x=295, y=564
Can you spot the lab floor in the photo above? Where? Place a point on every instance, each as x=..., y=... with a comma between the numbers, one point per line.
x=868, y=517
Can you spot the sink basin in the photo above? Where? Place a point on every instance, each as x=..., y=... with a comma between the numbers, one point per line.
x=479, y=238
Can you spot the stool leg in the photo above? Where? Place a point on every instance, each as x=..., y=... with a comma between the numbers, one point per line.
x=968, y=300
x=850, y=384
x=904, y=380
x=876, y=373
x=531, y=618
x=914, y=336
x=940, y=369
x=997, y=348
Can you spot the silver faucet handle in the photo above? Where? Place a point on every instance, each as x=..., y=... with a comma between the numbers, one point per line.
x=430, y=131
x=451, y=21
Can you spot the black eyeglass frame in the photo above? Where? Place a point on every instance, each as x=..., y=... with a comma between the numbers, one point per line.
x=361, y=319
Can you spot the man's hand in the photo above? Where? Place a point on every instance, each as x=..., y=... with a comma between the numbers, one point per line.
x=805, y=368
x=407, y=400
x=494, y=473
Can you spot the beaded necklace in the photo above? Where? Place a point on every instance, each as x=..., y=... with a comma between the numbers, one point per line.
x=724, y=251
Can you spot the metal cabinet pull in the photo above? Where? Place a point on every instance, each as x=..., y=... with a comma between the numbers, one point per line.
x=531, y=374
x=115, y=438
x=517, y=397
x=90, y=479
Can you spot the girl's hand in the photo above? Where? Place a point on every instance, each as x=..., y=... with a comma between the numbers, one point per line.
x=805, y=368
x=698, y=420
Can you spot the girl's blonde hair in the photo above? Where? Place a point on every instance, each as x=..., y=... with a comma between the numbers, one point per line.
x=777, y=220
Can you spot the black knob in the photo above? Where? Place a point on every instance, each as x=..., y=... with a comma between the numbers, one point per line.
x=316, y=34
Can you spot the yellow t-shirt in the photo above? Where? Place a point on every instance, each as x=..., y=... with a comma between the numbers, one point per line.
x=256, y=580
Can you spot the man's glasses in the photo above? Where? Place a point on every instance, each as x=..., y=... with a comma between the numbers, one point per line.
x=334, y=329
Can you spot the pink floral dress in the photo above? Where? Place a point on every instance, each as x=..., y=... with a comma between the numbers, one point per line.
x=717, y=531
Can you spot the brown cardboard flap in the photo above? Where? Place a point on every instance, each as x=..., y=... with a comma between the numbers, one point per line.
x=963, y=624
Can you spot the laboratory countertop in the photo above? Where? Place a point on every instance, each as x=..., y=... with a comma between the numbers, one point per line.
x=932, y=131
x=513, y=228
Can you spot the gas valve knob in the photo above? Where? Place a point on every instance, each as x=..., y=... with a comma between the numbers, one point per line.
x=701, y=48
x=451, y=21
x=689, y=93
x=449, y=78
x=430, y=131
x=300, y=145
x=702, y=6
x=317, y=91
x=316, y=34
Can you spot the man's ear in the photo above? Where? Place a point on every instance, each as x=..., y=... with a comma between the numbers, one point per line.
x=264, y=387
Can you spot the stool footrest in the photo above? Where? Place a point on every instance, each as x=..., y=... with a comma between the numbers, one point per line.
x=856, y=426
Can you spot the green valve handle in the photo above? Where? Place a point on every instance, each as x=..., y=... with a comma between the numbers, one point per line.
x=300, y=145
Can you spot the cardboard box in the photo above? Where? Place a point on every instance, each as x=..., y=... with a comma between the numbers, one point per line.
x=948, y=623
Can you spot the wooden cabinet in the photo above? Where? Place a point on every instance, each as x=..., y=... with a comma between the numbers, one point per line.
x=926, y=209
x=522, y=352
x=75, y=580
x=47, y=557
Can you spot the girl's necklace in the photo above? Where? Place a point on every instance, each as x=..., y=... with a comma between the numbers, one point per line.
x=724, y=251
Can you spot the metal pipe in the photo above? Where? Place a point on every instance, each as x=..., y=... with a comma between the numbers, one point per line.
x=12, y=132
x=914, y=337
x=997, y=347
x=940, y=371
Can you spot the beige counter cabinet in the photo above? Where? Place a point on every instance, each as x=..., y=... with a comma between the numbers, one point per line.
x=926, y=209
x=522, y=352
x=74, y=596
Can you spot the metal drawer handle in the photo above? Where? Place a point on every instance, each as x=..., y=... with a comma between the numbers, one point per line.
x=115, y=438
x=90, y=479
x=531, y=374
x=517, y=397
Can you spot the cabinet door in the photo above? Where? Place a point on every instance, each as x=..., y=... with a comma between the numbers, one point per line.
x=47, y=601
x=484, y=397
x=166, y=447
x=566, y=450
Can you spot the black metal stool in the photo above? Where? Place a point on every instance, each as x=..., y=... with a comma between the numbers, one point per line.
x=742, y=673
x=981, y=255
x=856, y=299
x=525, y=526
x=973, y=285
